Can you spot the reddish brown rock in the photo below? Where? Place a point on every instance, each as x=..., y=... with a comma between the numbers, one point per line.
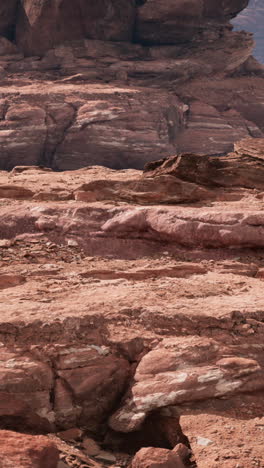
x=92, y=375
x=114, y=301
x=243, y=168
x=174, y=22
x=88, y=94
x=151, y=457
x=25, y=451
x=8, y=281
x=41, y=25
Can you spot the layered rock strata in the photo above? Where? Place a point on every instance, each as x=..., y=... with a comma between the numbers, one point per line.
x=123, y=83
x=133, y=310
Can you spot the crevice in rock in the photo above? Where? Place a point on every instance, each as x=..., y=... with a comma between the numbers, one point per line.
x=160, y=430
x=50, y=148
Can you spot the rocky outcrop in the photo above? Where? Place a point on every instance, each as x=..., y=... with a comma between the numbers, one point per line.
x=24, y=451
x=131, y=310
x=243, y=168
x=123, y=83
x=160, y=380
x=41, y=25
x=131, y=302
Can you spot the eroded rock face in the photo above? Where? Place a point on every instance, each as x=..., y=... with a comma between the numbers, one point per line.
x=85, y=386
x=24, y=451
x=181, y=20
x=121, y=83
x=240, y=169
x=160, y=380
x=42, y=24
x=131, y=303
x=131, y=323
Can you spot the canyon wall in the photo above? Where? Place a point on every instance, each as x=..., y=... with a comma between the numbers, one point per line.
x=120, y=83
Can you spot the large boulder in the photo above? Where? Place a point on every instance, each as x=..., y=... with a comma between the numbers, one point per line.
x=150, y=457
x=26, y=451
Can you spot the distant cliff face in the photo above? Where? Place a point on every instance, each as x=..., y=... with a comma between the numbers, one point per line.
x=38, y=25
x=252, y=19
x=123, y=82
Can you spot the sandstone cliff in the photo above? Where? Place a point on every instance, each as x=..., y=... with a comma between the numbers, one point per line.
x=121, y=83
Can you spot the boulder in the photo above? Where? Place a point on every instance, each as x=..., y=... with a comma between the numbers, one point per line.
x=151, y=457
x=187, y=369
x=26, y=451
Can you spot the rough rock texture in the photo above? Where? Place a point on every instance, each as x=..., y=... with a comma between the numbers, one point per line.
x=155, y=457
x=131, y=302
x=132, y=309
x=120, y=83
x=41, y=25
x=24, y=451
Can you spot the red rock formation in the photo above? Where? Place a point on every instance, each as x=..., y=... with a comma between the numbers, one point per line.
x=122, y=83
x=155, y=457
x=137, y=325
x=24, y=451
x=41, y=25
x=131, y=303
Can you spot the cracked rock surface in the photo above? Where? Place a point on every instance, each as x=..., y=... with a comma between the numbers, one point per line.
x=131, y=234
x=123, y=82
x=131, y=308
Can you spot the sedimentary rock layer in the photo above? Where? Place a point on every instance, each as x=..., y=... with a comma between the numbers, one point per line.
x=123, y=83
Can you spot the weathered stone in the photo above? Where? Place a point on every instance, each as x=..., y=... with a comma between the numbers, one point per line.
x=26, y=451
x=156, y=457
x=173, y=373
x=243, y=168
x=91, y=447
x=41, y=25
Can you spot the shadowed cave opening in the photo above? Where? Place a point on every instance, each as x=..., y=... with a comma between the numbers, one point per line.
x=160, y=430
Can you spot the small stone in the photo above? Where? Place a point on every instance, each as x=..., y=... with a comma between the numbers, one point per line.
x=70, y=434
x=91, y=447
x=72, y=243
x=106, y=456
x=5, y=243
x=182, y=451
x=203, y=441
